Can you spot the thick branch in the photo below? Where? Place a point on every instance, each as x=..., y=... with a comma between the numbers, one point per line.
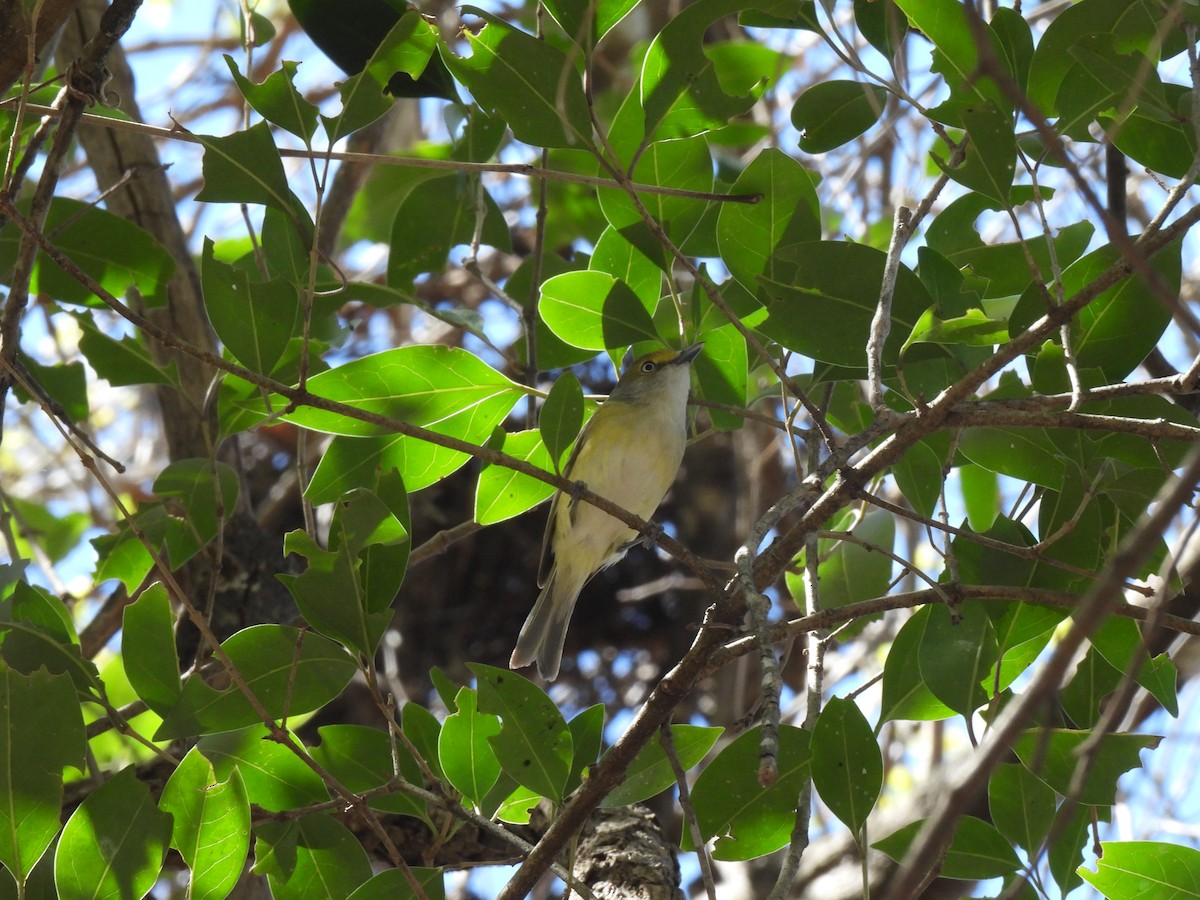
x=130, y=158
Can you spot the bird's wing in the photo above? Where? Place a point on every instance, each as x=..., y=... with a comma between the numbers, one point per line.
x=547, y=560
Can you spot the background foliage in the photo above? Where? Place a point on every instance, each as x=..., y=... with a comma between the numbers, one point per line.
x=274, y=418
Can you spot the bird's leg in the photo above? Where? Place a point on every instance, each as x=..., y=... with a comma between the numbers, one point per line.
x=575, y=492
x=648, y=538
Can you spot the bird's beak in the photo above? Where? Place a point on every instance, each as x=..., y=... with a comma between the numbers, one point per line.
x=687, y=354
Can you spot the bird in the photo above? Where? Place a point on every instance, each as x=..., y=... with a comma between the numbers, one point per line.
x=628, y=452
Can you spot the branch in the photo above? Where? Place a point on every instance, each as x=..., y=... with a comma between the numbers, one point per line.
x=982, y=414
x=1101, y=598
x=527, y=170
x=1003, y=593
x=935, y=414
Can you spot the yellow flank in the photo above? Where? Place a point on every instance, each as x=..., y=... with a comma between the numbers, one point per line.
x=629, y=452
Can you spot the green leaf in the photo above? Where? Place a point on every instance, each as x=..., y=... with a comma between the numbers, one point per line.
x=850, y=572
x=1067, y=852
x=991, y=159
x=977, y=852
x=364, y=758
x=1002, y=267
x=882, y=24
x=753, y=238
x=502, y=492
x=905, y=694
x=1104, y=80
x=747, y=819
x=277, y=99
x=918, y=474
x=847, y=766
x=981, y=496
x=42, y=635
x=745, y=68
x=148, y=648
x=244, y=167
x=330, y=595
x=587, y=735
x=254, y=319
x=364, y=564
x=722, y=373
x=112, y=250
x=534, y=744
x=435, y=216
x=1077, y=522
x=55, y=534
x=114, y=843
x=595, y=311
x=1164, y=143
x=256, y=30
x=621, y=259
x=831, y=113
x=275, y=778
x=956, y=54
x=605, y=15
x=422, y=728
x=211, y=825
x=290, y=673
x=122, y=556
x=1014, y=39
x=1022, y=631
x=65, y=383
x=198, y=495
x=1026, y=454
x=1116, y=331
x=465, y=748
x=529, y=83
x=837, y=284
x=1022, y=806
x=973, y=329
x=435, y=387
x=958, y=656
x=1093, y=680
x=801, y=17
x=1119, y=641
x=352, y=462
x=651, y=772
x=677, y=75
x=407, y=47
x=1146, y=869
x=1052, y=755
x=315, y=851
x=682, y=163
x=391, y=884
x=517, y=806
x=286, y=249
x=1135, y=23
x=363, y=102
x=41, y=733
x=561, y=417
x=121, y=362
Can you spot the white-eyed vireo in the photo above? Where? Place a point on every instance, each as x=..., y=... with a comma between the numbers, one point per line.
x=629, y=453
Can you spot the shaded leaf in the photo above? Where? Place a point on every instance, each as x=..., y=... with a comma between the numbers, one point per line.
x=114, y=844
x=831, y=113
x=651, y=771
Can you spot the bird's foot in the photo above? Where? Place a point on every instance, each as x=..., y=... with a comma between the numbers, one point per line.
x=650, y=536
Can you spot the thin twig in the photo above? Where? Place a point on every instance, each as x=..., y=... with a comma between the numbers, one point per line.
x=667, y=739
x=881, y=321
x=527, y=170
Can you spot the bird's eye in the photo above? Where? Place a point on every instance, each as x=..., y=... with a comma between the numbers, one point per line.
x=648, y=367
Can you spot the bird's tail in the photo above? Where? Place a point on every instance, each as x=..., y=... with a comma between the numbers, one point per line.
x=545, y=630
